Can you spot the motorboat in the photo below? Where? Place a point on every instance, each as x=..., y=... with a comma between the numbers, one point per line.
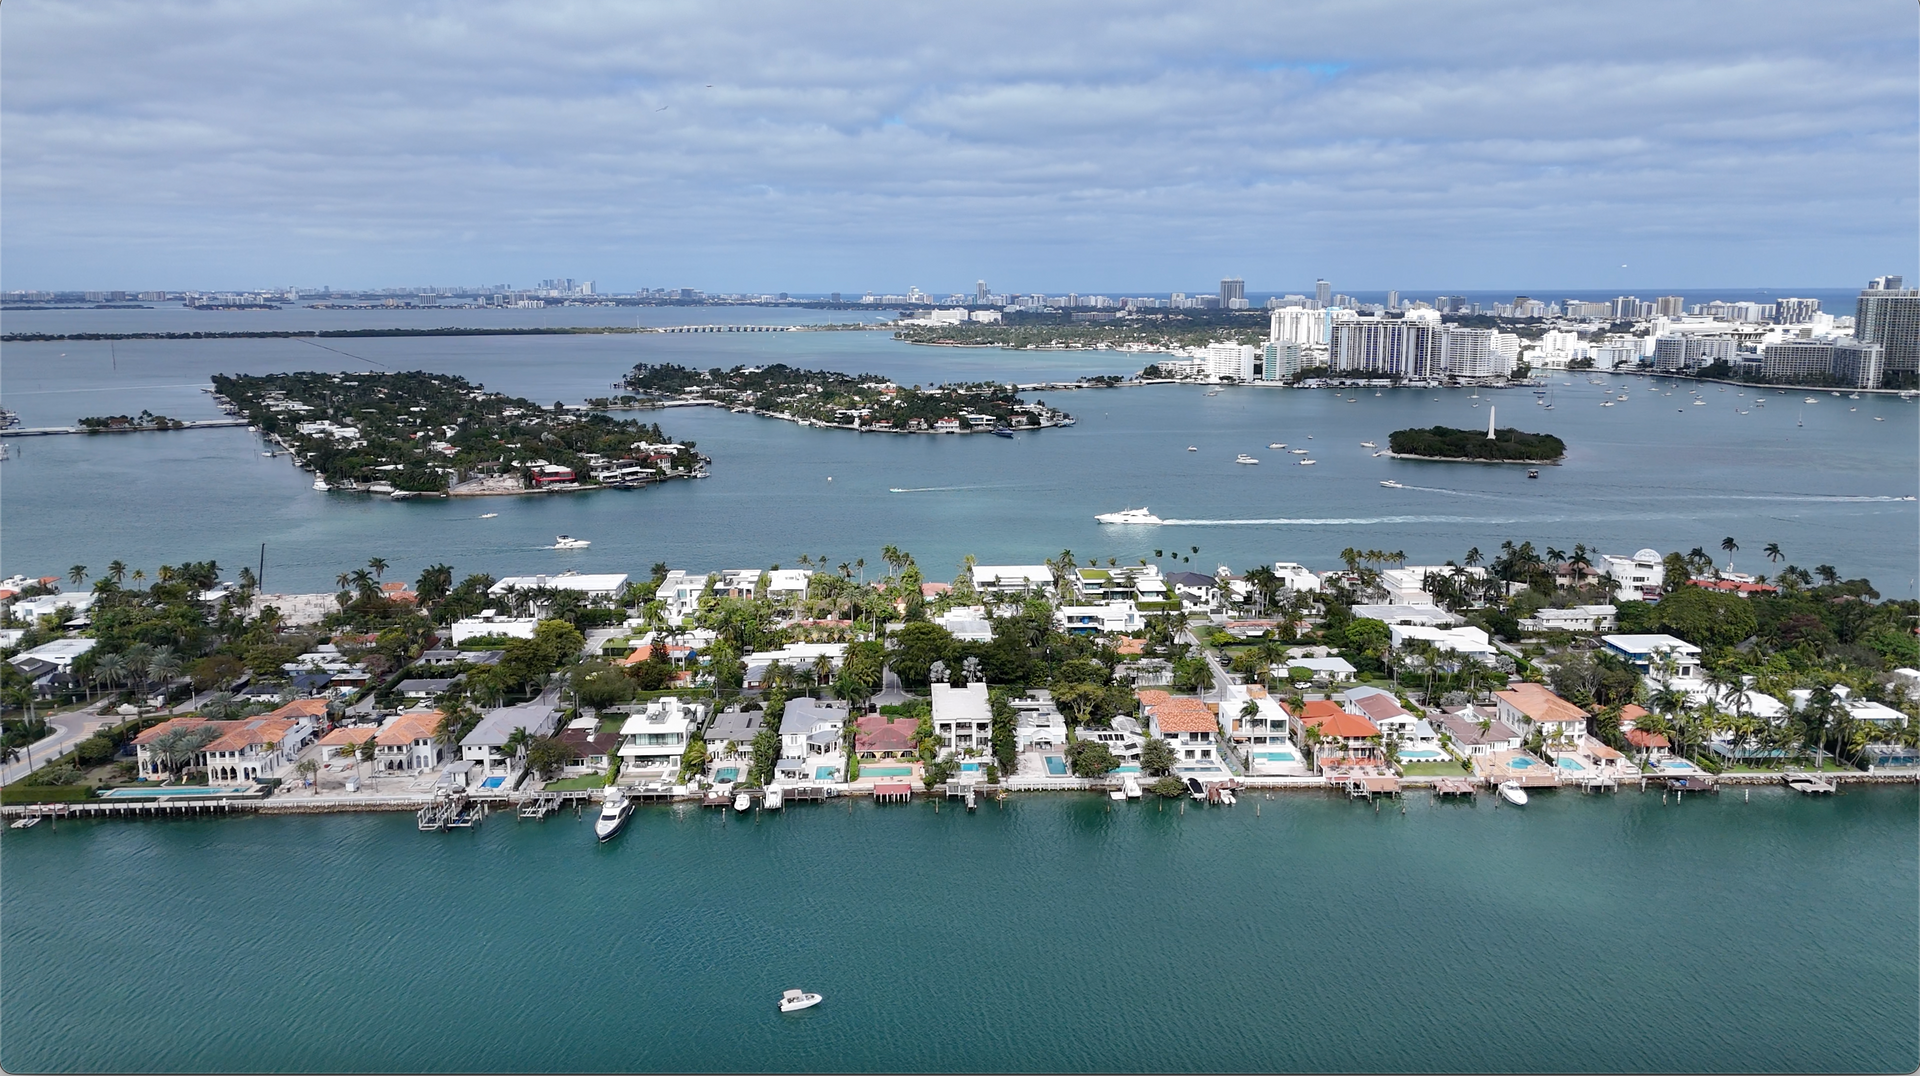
x=743, y=802
x=1532, y=473
x=1244, y=458
x=1299, y=451
x=1306, y=463
x=771, y=799
x=320, y=483
x=613, y=816
x=488, y=515
x=1391, y=484
x=795, y=1000
x=1193, y=448
x=1368, y=444
x=1811, y=400
x=561, y=541
x=1117, y=794
x=1196, y=789
x=1130, y=785
x=1003, y=431
x=1513, y=793
x=1699, y=403
x=1277, y=445
x=1134, y=516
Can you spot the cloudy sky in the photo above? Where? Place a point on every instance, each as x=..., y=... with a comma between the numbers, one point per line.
x=1117, y=146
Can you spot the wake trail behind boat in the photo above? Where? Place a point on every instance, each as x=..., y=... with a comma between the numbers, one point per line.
x=932, y=489
x=1357, y=521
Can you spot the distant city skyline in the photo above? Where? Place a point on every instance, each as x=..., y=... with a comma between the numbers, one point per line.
x=1124, y=147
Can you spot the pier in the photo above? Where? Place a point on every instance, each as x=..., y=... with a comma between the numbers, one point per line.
x=1451, y=787
x=728, y=329
x=1808, y=784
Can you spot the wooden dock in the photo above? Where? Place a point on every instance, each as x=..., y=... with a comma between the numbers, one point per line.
x=1447, y=787
x=1809, y=784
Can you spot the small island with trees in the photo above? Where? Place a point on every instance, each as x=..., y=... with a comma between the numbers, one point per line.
x=414, y=433
x=1474, y=446
x=864, y=402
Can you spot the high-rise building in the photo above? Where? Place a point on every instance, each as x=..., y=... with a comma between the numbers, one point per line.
x=1889, y=315
x=1843, y=362
x=835, y=297
x=980, y=292
x=1669, y=306
x=1296, y=325
x=1322, y=291
x=1795, y=311
x=1393, y=300
x=1232, y=288
x=1393, y=348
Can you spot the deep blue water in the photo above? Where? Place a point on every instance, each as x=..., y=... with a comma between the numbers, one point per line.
x=1604, y=934
x=1652, y=471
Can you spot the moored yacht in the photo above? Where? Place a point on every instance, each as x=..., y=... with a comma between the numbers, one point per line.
x=613, y=815
x=1244, y=458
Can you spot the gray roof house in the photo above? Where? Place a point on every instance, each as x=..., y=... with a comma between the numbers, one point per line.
x=484, y=744
x=738, y=726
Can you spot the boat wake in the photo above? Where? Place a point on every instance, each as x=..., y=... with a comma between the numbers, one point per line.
x=929, y=489
x=1345, y=521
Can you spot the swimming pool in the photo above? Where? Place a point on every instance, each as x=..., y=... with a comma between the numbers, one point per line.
x=1675, y=764
x=969, y=767
x=171, y=792
x=1275, y=756
x=888, y=771
x=726, y=775
x=1419, y=755
x=1057, y=765
x=1128, y=768
x=1520, y=763
x=493, y=782
x=1566, y=763
x=825, y=773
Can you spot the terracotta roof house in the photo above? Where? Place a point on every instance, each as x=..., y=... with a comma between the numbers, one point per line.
x=1530, y=707
x=1381, y=708
x=1186, y=723
x=341, y=741
x=1345, y=739
x=1648, y=744
x=406, y=743
x=879, y=736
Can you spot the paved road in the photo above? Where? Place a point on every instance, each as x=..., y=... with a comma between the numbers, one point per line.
x=68, y=729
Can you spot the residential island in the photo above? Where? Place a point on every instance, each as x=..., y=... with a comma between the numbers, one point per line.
x=414, y=433
x=1523, y=672
x=865, y=402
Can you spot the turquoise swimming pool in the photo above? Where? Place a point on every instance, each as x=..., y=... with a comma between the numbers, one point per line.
x=1566, y=763
x=1128, y=768
x=1279, y=756
x=493, y=782
x=825, y=773
x=726, y=775
x=1057, y=765
x=887, y=771
x=172, y=792
x=969, y=767
x=1520, y=763
x=1422, y=755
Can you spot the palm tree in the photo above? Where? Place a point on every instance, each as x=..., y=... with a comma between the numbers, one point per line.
x=117, y=570
x=1472, y=558
x=110, y=669
x=307, y=769
x=1730, y=546
x=164, y=665
x=77, y=573
x=1827, y=574
x=1773, y=552
x=379, y=566
x=516, y=743
x=139, y=574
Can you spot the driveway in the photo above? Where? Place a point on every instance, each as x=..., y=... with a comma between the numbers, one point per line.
x=69, y=728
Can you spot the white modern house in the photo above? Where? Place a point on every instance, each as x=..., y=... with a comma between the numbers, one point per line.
x=811, y=727
x=967, y=623
x=652, y=741
x=1573, y=618
x=680, y=592
x=1381, y=708
x=1296, y=578
x=1011, y=579
x=485, y=748
x=490, y=624
x=1037, y=723
x=1408, y=585
x=587, y=586
x=1657, y=657
x=1422, y=614
x=962, y=719
x=1461, y=642
x=1637, y=578
x=1106, y=618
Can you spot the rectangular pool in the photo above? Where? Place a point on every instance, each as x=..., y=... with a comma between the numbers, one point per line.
x=493, y=782
x=1057, y=765
x=1128, y=768
x=726, y=775
x=1277, y=756
x=888, y=771
x=824, y=773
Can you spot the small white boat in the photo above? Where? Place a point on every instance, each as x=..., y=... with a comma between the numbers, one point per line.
x=488, y=515
x=613, y=816
x=1193, y=448
x=1513, y=793
x=1877, y=418
x=1368, y=444
x=1306, y=463
x=743, y=802
x=1244, y=458
x=1699, y=403
x=1226, y=794
x=320, y=483
x=1299, y=451
x=1116, y=794
x=1277, y=445
x=1391, y=484
x=1135, y=516
x=795, y=1000
x=1130, y=785
x=28, y=822
x=561, y=541
x=1811, y=400
x=771, y=800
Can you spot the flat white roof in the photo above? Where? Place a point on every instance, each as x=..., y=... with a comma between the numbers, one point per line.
x=594, y=584
x=1648, y=644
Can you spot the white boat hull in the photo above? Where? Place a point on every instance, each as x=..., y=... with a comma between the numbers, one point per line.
x=1513, y=794
x=790, y=1002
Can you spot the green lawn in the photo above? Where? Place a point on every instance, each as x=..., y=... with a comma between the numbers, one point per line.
x=1433, y=769
x=570, y=784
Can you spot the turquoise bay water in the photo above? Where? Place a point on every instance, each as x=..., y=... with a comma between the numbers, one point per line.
x=1651, y=471
x=1057, y=933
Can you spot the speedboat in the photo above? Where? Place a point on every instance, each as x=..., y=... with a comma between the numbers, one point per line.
x=488, y=515
x=1278, y=445
x=1141, y=516
x=743, y=802
x=613, y=816
x=1531, y=473
x=1299, y=451
x=1306, y=463
x=1196, y=789
x=1244, y=458
x=795, y=1000
x=561, y=541
x=320, y=483
x=1193, y=448
x=771, y=800
x=1391, y=484
x=1513, y=793
x=1003, y=431
x=1368, y=444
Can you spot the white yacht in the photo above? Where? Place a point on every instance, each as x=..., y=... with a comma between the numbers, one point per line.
x=1513, y=793
x=1278, y=445
x=561, y=541
x=1391, y=484
x=1306, y=463
x=1244, y=458
x=771, y=800
x=1193, y=448
x=489, y=515
x=1141, y=516
x=743, y=802
x=1368, y=444
x=795, y=1000
x=1299, y=451
x=613, y=816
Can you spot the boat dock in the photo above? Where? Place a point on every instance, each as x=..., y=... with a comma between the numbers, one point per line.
x=1365, y=787
x=1808, y=784
x=1447, y=787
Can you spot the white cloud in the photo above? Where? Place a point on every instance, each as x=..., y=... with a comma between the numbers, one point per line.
x=1108, y=146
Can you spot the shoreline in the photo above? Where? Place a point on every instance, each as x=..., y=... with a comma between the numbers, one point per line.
x=1554, y=462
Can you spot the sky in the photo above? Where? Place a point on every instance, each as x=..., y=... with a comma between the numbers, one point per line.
x=1121, y=147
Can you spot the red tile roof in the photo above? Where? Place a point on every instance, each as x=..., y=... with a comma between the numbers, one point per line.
x=1184, y=714
x=1320, y=708
x=169, y=725
x=1643, y=738
x=1540, y=704
x=1380, y=707
x=345, y=737
x=300, y=708
x=408, y=727
x=1341, y=725
x=253, y=730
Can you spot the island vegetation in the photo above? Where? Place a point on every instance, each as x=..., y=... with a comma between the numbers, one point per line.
x=145, y=420
x=1133, y=330
x=1447, y=443
x=426, y=432
x=866, y=402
